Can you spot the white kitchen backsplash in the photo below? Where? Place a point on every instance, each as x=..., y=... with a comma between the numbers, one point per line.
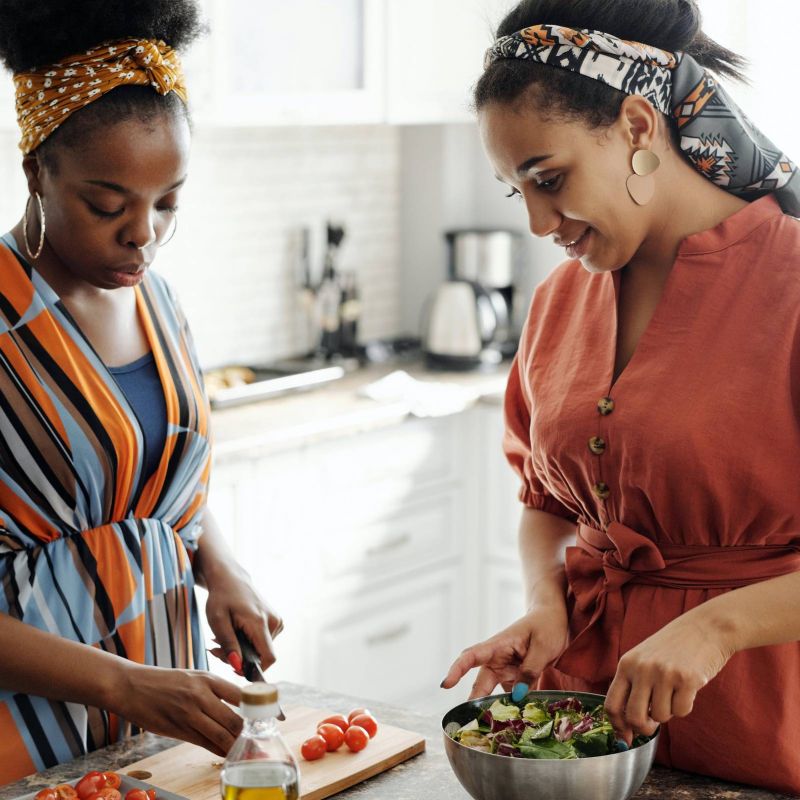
x=232, y=260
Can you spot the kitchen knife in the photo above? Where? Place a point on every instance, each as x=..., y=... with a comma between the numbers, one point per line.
x=251, y=665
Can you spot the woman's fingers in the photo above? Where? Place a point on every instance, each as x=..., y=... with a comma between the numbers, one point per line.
x=224, y=634
x=470, y=658
x=683, y=701
x=484, y=684
x=257, y=632
x=275, y=624
x=661, y=703
x=616, y=700
x=637, y=711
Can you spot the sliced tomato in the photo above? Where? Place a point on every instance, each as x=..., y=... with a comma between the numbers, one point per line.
x=151, y=793
x=113, y=779
x=367, y=722
x=65, y=792
x=106, y=793
x=356, y=738
x=46, y=794
x=314, y=748
x=337, y=719
x=136, y=794
x=91, y=783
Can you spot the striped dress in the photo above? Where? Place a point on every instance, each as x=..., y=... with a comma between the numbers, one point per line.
x=90, y=548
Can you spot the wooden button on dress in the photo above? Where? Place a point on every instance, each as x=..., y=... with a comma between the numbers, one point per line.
x=601, y=490
x=597, y=445
x=605, y=405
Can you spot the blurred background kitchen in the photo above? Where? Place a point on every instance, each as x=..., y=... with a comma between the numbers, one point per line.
x=334, y=148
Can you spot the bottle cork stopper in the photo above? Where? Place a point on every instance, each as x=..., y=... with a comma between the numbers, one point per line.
x=257, y=694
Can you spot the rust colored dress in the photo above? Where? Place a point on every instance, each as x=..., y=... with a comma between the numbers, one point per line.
x=683, y=476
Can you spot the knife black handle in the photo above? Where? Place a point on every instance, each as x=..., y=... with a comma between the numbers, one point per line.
x=251, y=663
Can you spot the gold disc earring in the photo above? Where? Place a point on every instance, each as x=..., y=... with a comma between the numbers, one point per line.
x=641, y=185
x=33, y=256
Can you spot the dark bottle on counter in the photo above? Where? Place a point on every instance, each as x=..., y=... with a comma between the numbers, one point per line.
x=329, y=297
x=349, y=314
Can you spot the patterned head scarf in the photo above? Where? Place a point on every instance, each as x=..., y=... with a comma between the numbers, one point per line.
x=48, y=95
x=715, y=135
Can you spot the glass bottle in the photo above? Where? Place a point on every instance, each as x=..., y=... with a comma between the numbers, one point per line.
x=259, y=765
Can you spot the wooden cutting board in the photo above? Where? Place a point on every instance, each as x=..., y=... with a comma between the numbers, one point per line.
x=193, y=772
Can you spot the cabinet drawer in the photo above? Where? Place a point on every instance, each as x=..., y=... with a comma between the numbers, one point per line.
x=396, y=649
x=414, y=537
x=417, y=452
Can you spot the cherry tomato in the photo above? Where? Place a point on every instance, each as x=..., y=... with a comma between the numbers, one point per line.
x=106, y=793
x=65, y=792
x=357, y=712
x=356, y=738
x=337, y=719
x=314, y=748
x=136, y=794
x=46, y=794
x=112, y=779
x=151, y=793
x=367, y=722
x=89, y=784
x=332, y=734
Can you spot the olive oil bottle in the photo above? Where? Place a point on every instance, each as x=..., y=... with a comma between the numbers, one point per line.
x=259, y=765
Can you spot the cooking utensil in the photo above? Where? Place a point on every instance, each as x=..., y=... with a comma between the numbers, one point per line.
x=251, y=664
x=490, y=777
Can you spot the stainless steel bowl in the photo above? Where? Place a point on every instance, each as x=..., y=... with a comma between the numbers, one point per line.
x=489, y=777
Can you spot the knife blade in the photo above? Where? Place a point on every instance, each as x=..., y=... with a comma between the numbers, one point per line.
x=251, y=665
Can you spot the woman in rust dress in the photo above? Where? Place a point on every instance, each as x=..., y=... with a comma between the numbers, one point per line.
x=653, y=410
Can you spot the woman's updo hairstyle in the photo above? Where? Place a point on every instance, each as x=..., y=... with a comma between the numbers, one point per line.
x=34, y=34
x=667, y=24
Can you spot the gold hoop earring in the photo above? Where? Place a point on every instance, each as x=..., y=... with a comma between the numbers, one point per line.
x=174, y=228
x=641, y=185
x=33, y=256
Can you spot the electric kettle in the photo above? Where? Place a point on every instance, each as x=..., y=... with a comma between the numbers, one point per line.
x=459, y=323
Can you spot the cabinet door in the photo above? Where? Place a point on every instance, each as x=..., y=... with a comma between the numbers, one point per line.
x=392, y=645
x=435, y=55
x=501, y=510
x=303, y=62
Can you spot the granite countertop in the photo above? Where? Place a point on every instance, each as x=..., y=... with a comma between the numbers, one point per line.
x=337, y=409
x=426, y=775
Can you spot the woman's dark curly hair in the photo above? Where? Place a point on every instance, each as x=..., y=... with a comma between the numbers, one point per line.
x=34, y=34
x=668, y=24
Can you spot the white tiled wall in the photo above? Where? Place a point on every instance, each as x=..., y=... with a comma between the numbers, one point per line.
x=232, y=260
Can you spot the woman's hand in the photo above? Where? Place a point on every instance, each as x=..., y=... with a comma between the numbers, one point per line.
x=518, y=653
x=182, y=704
x=233, y=603
x=660, y=677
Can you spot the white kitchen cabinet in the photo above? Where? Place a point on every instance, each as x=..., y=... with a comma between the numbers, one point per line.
x=504, y=598
x=397, y=642
x=501, y=509
x=359, y=540
x=434, y=53
x=386, y=552
x=331, y=62
x=270, y=62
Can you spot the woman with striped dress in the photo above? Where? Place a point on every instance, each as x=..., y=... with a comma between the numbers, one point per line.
x=104, y=425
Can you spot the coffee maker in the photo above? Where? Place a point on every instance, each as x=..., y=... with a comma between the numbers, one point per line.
x=469, y=319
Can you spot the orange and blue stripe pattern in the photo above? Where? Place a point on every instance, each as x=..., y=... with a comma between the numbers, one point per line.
x=92, y=549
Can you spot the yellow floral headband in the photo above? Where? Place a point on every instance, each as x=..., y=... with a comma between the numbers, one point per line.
x=47, y=96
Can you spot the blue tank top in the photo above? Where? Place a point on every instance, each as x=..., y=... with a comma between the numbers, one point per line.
x=142, y=387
